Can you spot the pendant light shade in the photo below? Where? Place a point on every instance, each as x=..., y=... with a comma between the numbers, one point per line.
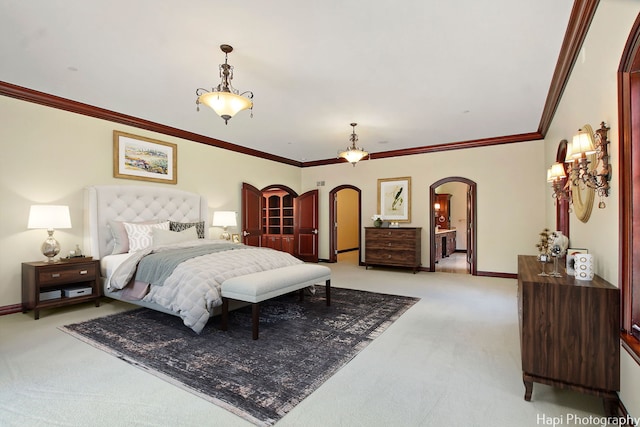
x=224, y=99
x=353, y=154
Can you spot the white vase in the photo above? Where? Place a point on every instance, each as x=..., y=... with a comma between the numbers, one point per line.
x=584, y=267
x=562, y=241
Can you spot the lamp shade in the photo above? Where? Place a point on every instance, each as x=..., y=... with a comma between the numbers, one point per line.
x=49, y=217
x=556, y=172
x=353, y=155
x=224, y=219
x=226, y=104
x=582, y=143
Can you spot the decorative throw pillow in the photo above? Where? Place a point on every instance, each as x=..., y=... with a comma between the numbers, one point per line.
x=140, y=235
x=179, y=226
x=168, y=237
x=120, y=237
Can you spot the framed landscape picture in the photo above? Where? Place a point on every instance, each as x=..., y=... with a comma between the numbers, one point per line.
x=394, y=199
x=146, y=159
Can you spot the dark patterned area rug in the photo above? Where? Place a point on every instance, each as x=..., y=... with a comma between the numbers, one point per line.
x=301, y=345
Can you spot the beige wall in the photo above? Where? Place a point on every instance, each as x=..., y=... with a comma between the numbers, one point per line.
x=510, y=211
x=49, y=156
x=590, y=98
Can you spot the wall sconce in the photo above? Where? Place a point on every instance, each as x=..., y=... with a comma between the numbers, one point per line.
x=557, y=177
x=49, y=217
x=588, y=161
x=224, y=219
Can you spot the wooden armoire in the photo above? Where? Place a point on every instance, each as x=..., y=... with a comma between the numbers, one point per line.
x=276, y=217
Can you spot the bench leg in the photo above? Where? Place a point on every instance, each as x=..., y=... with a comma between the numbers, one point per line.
x=225, y=314
x=255, y=312
x=328, y=291
x=301, y=294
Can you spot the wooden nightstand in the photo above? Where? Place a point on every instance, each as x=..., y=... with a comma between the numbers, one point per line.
x=76, y=280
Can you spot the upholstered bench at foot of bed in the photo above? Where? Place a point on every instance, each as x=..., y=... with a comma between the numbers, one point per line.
x=264, y=285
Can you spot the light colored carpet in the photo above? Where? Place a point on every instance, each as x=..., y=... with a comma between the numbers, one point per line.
x=452, y=359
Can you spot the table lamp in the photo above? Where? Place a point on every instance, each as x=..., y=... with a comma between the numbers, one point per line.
x=224, y=219
x=49, y=217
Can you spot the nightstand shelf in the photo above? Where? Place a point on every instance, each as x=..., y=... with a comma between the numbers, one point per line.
x=40, y=277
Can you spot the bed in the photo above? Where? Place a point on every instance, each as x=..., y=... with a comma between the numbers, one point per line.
x=128, y=225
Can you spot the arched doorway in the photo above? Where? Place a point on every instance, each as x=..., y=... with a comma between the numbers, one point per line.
x=470, y=226
x=344, y=220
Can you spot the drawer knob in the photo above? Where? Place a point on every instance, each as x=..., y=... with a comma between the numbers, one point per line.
x=388, y=256
x=83, y=271
x=54, y=275
x=389, y=244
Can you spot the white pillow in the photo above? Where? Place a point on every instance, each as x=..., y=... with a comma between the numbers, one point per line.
x=168, y=237
x=120, y=238
x=140, y=236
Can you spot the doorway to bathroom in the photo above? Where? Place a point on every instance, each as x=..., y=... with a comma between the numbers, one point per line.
x=452, y=230
x=344, y=220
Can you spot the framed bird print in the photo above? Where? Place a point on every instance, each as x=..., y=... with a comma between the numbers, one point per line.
x=394, y=199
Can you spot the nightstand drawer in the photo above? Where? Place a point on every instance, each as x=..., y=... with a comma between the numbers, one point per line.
x=67, y=274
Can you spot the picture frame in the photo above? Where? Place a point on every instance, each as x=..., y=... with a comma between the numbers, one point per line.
x=235, y=238
x=394, y=199
x=571, y=259
x=146, y=159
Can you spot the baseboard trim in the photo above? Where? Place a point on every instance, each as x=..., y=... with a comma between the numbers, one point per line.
x=10, y=309
x=341, y=251
x=496, y=274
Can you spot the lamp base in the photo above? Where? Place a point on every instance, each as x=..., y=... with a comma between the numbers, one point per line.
x=50, y=248
x=225, y=235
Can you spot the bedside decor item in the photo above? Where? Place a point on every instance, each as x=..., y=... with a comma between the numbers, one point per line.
x=545, y=247
x=145, y=159
x=377, y=221
x=584, y=267
x=224, y=99
x=353, y=154
x=571, y=259
x=49, y=217
x=224, y=219
x=394, y=199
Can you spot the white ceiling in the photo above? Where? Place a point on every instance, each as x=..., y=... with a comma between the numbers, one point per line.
x=411, y=73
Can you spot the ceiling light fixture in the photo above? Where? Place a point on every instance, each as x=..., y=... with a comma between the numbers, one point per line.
x=224, y=99
x=353, y=154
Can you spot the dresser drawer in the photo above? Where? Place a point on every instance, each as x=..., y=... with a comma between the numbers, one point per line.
x=391, y=233
x=397, y=257
x=67, y=274
x=391, y=244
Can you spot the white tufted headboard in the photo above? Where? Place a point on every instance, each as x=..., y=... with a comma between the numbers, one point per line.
x=135, y=203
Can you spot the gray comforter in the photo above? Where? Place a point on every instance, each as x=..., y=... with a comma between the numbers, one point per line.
x=186, y=278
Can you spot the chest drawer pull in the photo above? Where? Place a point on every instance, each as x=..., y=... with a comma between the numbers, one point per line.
x=83, y=271
x=54, y=275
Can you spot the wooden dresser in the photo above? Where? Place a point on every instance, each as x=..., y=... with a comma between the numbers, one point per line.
x=396, y=247
x=569, y=332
